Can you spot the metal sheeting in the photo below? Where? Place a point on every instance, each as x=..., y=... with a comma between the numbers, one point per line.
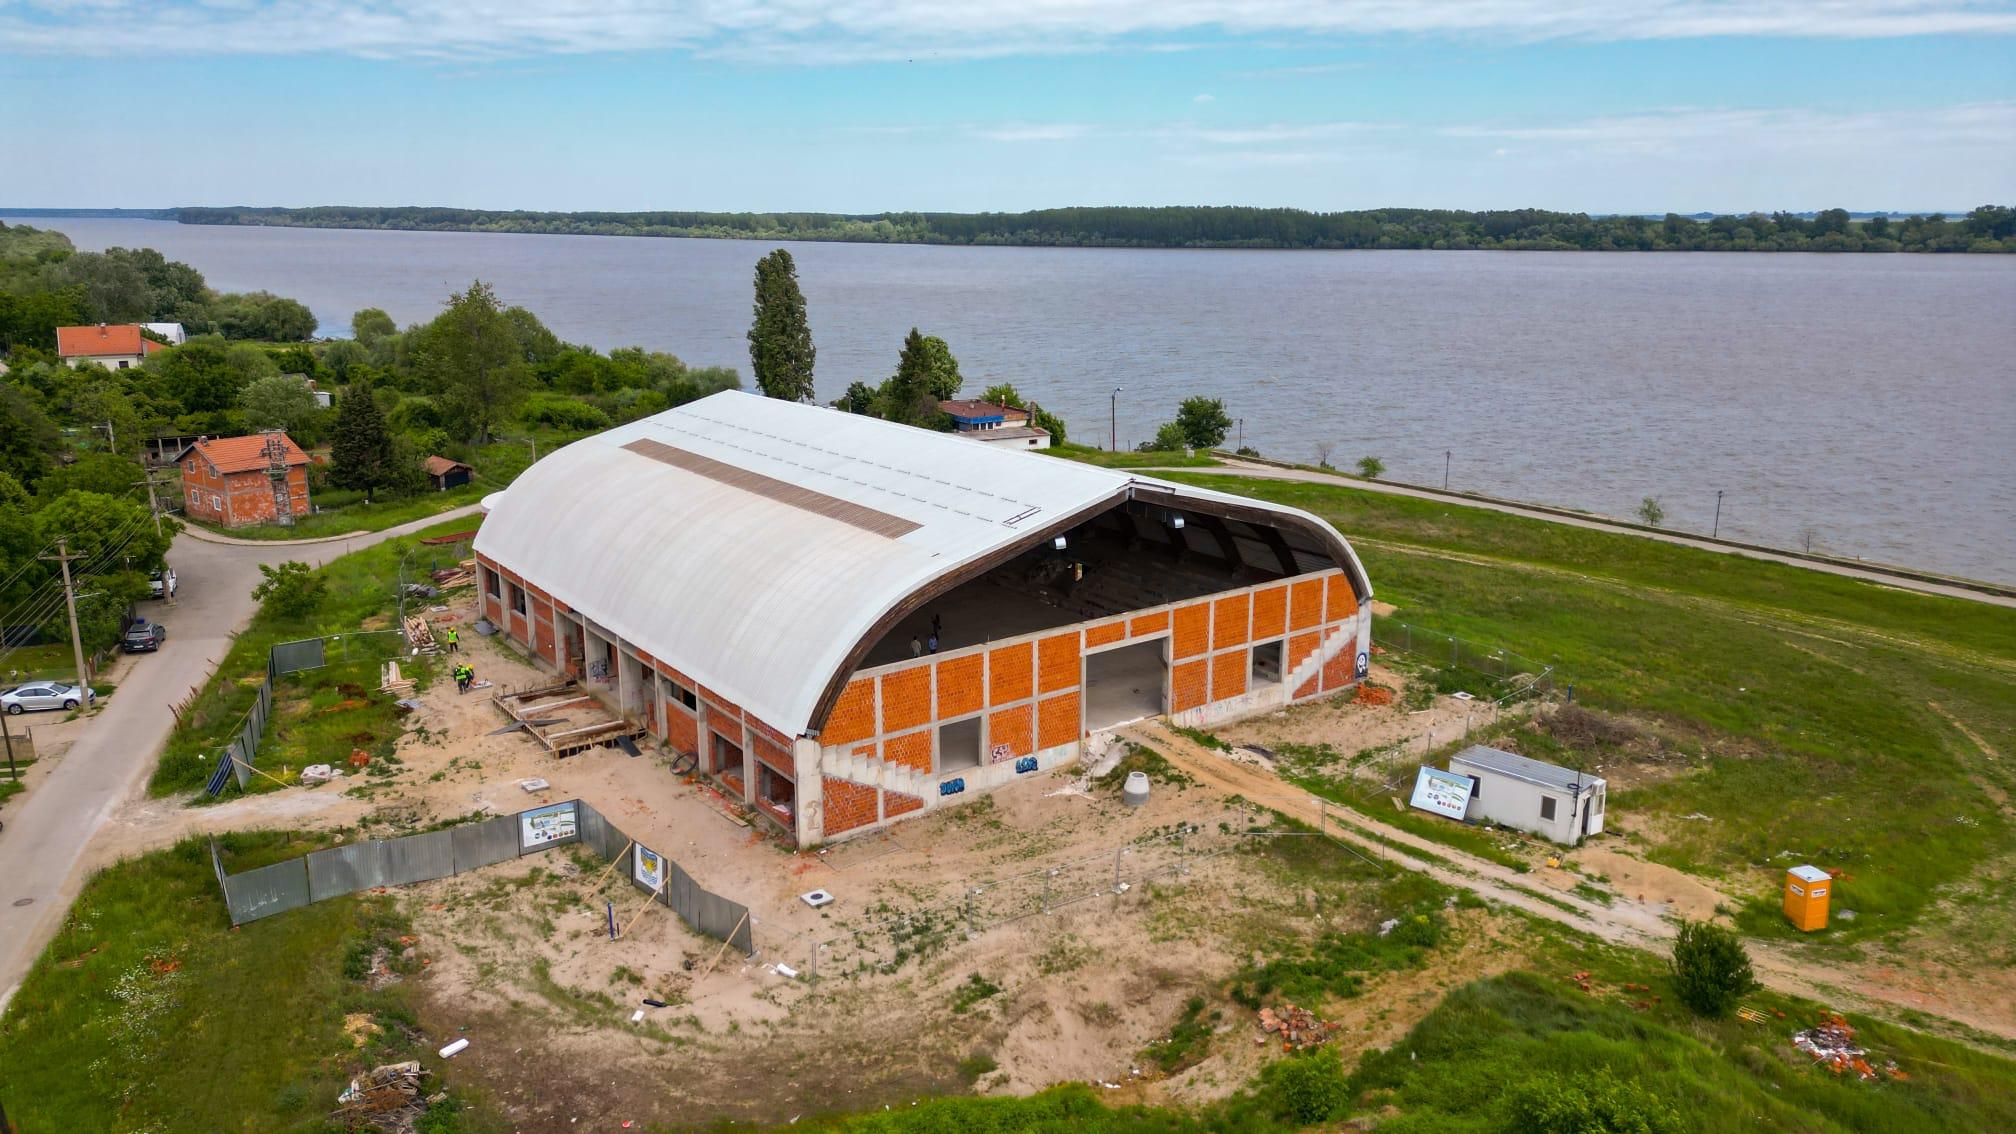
x=419, y=858
x=292, y=657
x=713, y=578
x=267, y=890
x=486, y=843
x=332, y=873
x=344, y=870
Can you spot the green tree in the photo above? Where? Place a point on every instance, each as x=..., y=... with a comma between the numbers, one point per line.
x=471, y=359
x=1048, y=422
x=1203, y=421
x=341, y=360
x=535, y=342
x=281, y=401
x=908, y=396
x=264, y=316
x=107, y=474
x=290, y=590
x=859, y=398
x=361, y=453
x=942, y=370
x=1651, y=513
x=28, y=442
x=109, y=532
x=1168, y=439
x=780, y=338
x=1590, y=1102
x=1711, y=969
x=1371, y=468
x=205, y=374
x=370, y=325
x=1003, y=394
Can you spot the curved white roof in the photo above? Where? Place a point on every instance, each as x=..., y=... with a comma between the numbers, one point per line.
x=752, y=543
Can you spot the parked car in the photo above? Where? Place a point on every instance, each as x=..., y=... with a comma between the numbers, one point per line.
x=45, y=695
x=144, y=636
x=162, y=583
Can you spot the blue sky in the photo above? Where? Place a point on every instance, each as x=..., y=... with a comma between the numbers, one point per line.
x=1633, y=105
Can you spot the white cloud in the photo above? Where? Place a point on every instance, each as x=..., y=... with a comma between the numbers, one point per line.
x=816, y=31
x=1205, y=98
x=1685, y=129
x=1037, y=132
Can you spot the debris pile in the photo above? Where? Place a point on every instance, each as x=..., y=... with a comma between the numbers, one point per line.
x=1298, y=1028
x=1373, y=695
x=460, y=575
x=385, y=1098
x=420, y=635
x=1831, y=1043
x=390, y=681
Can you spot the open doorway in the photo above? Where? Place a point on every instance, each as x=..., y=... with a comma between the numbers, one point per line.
x=1125, y=684
x=776, y=793
x=959, y=746
x=1266, y=665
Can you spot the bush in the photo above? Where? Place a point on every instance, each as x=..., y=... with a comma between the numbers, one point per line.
x=562, y=413
x=1597, y=1103
x=290, y=589
x=1312, y=1086
x=1711, y=970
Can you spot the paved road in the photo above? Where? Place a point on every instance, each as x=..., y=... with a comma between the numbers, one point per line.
x=1874, y=574
x=48, y=829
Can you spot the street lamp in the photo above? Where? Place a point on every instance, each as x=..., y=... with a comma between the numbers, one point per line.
x=1446, y=455
x=1113, y=422
x=1717, y=530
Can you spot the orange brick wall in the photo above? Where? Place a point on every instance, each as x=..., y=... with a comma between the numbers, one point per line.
x=1009, y=674
x=1305, y=604
x=1010, y=727
x=848, y=805
x=1057, y=663
x=1228, y=675
x=682, y=732
x=895, y=803
x=1189, y=684
x=911, y=750
x=853, y=715
x=1057, y=720
x=962, y=686
x=906, y=698
x=1230, y=618
x=1192, y=635
x=1270, y=612
x=242, y=498
x=1105, y=635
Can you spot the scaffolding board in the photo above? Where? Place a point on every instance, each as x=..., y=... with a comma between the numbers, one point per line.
x=565, y=718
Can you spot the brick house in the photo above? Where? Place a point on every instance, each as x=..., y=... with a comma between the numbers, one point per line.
x=114, y=346
x=261, y=478
x=762, y=584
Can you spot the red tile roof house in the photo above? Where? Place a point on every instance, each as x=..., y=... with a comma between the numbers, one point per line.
x=115, y=346
x=240, y=481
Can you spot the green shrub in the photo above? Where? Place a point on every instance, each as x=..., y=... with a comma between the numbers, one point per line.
x=1312, y=1086
x=1589, y=1103
x=562, y=413
x=1711, y=970
x=291, y=589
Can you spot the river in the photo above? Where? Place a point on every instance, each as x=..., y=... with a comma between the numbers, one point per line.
x=1867, y=403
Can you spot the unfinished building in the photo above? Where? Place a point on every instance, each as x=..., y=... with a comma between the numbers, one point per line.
x=848, y=621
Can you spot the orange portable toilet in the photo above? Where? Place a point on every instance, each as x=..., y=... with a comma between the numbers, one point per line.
x=1806, y=890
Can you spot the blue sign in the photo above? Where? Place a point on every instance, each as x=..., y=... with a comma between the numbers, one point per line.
x=1025, y=764
x=952, y=787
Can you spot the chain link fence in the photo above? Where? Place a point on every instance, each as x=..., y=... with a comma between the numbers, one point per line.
x=1512, y=676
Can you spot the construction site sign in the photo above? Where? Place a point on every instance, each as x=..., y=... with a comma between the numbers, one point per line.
x=1444, y=793
x=648, y=868
x=545, y=826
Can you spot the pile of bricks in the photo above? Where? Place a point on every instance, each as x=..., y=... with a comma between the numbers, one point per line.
x=1299, y=1028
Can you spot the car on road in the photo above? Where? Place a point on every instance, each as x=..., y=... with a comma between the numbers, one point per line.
x=45, y=695
x=161, y=584
x=144, y=637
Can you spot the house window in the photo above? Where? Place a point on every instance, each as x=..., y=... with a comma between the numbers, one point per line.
x=492, y=586
x=517, y=598
x=1546, y=807
x=189, y=467
x=216, y=501
x=123, y=364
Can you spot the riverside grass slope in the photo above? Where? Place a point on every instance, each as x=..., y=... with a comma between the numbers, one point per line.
x=1853, y=725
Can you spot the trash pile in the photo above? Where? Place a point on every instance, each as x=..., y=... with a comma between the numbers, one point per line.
x=1298, y=1028
x=1831, y=1043
x=385, y=1098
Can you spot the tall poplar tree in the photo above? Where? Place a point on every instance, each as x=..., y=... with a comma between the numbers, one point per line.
x=780, y=339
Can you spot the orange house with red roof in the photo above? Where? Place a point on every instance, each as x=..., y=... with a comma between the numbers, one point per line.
x=238, y=481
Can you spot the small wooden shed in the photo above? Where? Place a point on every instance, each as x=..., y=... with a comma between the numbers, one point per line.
x=447, y=474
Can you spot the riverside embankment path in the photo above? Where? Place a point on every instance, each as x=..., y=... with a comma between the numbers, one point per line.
x=47, y=830
x=1901, y=578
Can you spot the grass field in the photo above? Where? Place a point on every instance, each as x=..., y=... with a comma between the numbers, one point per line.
x=148, y=1012
x=360, y=594
x=1830, y=718
x=1132, y=460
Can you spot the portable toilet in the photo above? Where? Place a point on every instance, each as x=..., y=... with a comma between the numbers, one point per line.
x=1806, y=890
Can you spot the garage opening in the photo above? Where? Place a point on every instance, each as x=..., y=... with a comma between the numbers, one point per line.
x=1125, y=684
x=959, y=746
x=1266, y=665
x=775, y=793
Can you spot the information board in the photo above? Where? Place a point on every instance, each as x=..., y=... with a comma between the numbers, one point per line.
x=648, y=868
x=1444, y=793
x=544, y=826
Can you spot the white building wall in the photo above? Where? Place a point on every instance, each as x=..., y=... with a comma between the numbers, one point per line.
x=1515, y=803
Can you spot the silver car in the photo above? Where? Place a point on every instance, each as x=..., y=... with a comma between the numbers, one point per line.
x=45, y=695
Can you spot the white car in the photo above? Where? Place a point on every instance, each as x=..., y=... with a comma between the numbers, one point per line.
x=45, y=695
x=162, y=584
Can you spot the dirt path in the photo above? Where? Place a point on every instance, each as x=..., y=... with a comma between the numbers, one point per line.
x=1625, y=922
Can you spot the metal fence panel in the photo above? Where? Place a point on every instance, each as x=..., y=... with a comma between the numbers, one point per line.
x=291, y=657
x=483, y=844
x=600, y=835
x=267, y=891
x=241, y=765
x=419, y=858
x=345, y=870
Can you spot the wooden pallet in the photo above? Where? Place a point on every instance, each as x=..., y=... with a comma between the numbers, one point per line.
x=565, y=718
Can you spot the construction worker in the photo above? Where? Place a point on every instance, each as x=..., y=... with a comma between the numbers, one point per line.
x=454, y=641
x=464, y=674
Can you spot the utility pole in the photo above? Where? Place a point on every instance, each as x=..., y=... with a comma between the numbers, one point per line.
x=1718, y=515
x=1242, y=433
x=111, y=442
x=64, y=557
x=1447, y=454
x=7, y=730
x=1113, y=422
